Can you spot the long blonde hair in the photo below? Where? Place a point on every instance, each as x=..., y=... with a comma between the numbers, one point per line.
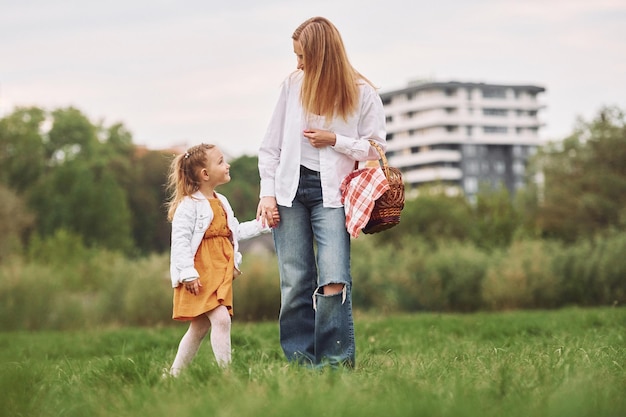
x=184, y=175
x=330, y=86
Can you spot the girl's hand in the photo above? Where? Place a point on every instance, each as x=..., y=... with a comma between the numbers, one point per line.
x=193, y=286
x=267, y=212
x=276, y=216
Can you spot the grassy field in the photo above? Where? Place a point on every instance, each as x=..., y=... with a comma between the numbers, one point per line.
x=566, y=363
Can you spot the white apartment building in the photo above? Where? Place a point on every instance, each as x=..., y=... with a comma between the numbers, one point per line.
x=461, y=135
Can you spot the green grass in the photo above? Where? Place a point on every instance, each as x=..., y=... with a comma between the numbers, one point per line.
x=566, y=363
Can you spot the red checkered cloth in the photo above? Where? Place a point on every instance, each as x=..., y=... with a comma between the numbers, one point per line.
x=359, y=191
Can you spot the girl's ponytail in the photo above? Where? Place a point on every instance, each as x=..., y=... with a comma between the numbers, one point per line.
x=183, y=176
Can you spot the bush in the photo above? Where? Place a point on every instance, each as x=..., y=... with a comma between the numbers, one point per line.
x=27, y=296
x=593, y=271
x=66, y=286
x=386, y=276
x=15, y=220
x=257, y=289
x=145, y=291
x=612, y=269
x=457, y=271
x=522, y=277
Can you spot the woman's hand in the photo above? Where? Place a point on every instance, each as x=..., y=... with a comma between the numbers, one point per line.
x=320, y=138
x=267, y=212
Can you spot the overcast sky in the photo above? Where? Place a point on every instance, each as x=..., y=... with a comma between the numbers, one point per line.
x=189, y=71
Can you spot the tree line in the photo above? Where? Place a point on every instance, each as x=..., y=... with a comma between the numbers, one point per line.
x=62, y=173
x=59, y=171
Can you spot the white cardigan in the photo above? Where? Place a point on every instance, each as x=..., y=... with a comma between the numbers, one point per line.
x=191, y=219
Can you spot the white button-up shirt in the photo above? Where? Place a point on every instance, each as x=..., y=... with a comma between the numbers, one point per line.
x=279, y=154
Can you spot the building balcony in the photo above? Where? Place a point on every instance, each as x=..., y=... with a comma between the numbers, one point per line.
x=423, y=104
x=434, y=174
x=423, y=158
x=461, y=120
x=441, y=136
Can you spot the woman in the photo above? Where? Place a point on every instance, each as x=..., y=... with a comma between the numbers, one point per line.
x=325, y=115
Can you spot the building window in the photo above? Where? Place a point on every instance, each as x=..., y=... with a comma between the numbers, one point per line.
x=469, y=130
x=495, y=112
x=495, y=129
x=518, y=168
x=517, y=151
x=494, y=92
x=472, y=167
x=389, y=119
x=499, y=167
x=469, y=150
x=470, y=184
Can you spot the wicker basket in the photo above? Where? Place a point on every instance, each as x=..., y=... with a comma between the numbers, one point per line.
x=387, y=209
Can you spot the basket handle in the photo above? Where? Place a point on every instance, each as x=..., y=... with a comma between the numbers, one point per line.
x=385, y=165
x=383, y=158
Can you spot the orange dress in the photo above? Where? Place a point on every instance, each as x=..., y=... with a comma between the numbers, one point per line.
x=214, y=261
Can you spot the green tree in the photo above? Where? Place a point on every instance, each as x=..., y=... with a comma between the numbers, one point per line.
x=244, y=187
x=72, y=134
x=83, y=197
x=147, y=196
x=434, y=217
x=22, y=159
x=15, y=219
x=584, y=190
x=495, y=218
x=80, y=191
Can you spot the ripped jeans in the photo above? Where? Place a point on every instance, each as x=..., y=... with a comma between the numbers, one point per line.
x=313, y=249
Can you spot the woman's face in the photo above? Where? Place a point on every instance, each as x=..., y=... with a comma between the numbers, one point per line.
x=297, y=49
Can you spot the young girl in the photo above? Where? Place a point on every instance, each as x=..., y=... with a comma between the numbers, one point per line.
x=204, y=252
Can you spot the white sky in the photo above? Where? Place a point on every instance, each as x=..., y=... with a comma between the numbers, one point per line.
x=189, y=71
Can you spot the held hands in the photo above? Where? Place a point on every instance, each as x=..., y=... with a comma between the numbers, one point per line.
x=320, y=138
x=193, y=286
x=267, y=212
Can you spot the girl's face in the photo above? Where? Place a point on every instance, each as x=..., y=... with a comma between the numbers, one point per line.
x=217, y=171
x=297, y=49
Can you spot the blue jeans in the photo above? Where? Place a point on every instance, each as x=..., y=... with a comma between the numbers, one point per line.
x=313, y=249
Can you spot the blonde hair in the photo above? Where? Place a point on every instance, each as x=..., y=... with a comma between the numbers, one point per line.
x=330, y=86
x=184, y=175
